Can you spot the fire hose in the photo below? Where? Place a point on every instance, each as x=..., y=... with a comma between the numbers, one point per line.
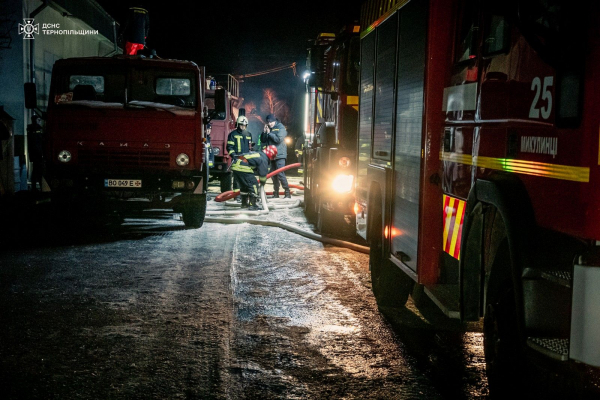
x=265, y=210
x=302, y=232
x=310, y=235
x=231, y=194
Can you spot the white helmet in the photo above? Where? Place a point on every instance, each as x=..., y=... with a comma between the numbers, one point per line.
x=242, y=120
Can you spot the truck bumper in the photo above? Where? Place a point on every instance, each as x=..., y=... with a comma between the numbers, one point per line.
x=133, y=184
x=219, y=168
x=338, y=203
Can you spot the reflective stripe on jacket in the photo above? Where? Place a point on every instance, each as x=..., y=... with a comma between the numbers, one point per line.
x=238, y=142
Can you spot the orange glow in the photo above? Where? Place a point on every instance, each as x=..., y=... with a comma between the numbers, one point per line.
x=356, y=208
x=395, y=232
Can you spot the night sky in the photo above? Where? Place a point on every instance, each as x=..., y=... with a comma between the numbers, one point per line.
x=243, y=37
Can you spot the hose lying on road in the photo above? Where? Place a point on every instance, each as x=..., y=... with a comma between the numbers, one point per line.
x=231, y=194
x=263, y=197
x=310, y=235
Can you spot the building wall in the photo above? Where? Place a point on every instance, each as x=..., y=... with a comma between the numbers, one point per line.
x=49, y=48
x=15, y=65
x=11, y=68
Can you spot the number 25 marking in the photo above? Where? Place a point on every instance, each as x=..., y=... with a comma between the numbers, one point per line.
x=536, y=84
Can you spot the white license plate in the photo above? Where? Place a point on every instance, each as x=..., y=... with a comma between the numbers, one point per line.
x=123, y=183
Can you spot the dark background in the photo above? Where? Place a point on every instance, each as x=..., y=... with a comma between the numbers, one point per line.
x=242, y=38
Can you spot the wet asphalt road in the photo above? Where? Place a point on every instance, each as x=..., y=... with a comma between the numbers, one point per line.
x=151, y=310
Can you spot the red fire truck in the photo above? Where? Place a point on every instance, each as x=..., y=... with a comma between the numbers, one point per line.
x=222, y=110
x=478, y=171
x=330, y=134
x=127, y=132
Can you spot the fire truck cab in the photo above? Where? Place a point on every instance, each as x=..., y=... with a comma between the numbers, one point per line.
x=331, y=130
x=126, y=132
x=222, y=110
x=478, y=163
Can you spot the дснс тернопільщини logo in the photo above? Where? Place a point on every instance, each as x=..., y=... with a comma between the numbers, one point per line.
x=29, y=28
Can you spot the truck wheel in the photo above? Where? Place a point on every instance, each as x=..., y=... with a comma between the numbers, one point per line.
x=309, y=205
x=325, y=220
x=226, y=182
x=391, y=286
x=504, y=357
x=194, y=211
x=330, y=222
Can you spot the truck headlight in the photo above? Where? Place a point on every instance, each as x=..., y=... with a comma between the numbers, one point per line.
x=343, y=183
x=344, y=162
x=64, y=156
x=216, y=151
x=183, y=160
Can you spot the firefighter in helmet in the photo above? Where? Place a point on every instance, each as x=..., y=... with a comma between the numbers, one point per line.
x=238, y=142
x=244, y=168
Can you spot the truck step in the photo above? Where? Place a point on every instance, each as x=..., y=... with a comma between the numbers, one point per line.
x=547, y=302
x=445, y=296
x=563, y=278
x=559, y=277
x=555, y=348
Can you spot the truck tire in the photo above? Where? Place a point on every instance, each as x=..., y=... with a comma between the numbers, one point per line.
x=194, y=211
x=309, y=205
x=504, y=356
x=391, y=286
x=331, y=222
x=325, y=220
x=226, y=182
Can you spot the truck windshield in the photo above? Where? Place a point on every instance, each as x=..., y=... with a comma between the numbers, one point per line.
x=105, y=86
x=177, y=88
x=89, y=84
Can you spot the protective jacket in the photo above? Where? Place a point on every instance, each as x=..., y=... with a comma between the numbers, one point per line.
x=276, y=137
x=238, y=142
x=253, y=163
x=137, y=25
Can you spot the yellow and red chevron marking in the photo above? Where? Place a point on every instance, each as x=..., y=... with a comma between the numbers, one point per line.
x=454, y=215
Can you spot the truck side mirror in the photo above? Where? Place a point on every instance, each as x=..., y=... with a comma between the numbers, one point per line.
x=30, y=96
x=242, y=112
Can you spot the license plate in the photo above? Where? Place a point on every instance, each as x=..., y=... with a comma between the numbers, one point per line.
x=123, y=183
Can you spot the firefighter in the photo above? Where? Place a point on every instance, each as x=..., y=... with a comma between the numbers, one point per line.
x=35, y=150
x=238, y=142
x=274, y=134
x=135, y=30
x=244, y=169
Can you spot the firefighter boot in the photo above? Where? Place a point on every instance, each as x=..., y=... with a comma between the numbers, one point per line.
x=244, y=201
x=253, y=206
x=287, y=194
x=275, y=193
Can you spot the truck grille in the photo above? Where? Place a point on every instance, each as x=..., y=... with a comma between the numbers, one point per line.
x=123, y=158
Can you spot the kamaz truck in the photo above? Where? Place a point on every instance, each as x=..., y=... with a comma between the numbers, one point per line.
x=125, y=133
